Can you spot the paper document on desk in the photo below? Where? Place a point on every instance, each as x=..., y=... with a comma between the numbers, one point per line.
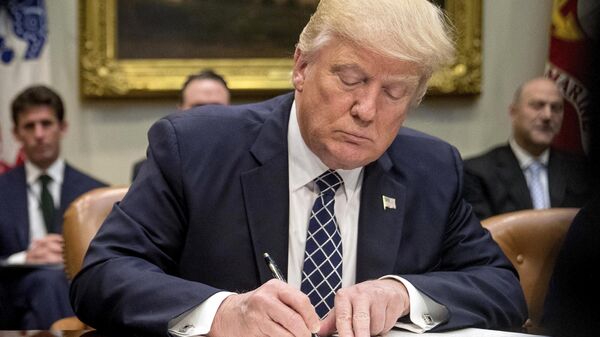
x=470, y=332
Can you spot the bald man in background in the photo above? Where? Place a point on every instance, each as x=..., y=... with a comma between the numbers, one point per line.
x=527, y=172
x=203, y=88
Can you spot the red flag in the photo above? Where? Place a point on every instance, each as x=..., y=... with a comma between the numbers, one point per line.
x=20, y=160
x=3, y=167
x=568, y=65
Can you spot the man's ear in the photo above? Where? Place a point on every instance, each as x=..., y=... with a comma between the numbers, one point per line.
x=16, y=134
x=64, y=126
x=512, y=111
x=298, y=72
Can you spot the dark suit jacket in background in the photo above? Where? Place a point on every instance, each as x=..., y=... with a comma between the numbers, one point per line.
x=213, y=197
x=14, y=212
x=495, y=183
x=571, y=307
x=14, y=237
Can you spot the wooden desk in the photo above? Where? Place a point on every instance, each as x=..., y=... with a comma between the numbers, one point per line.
x=47, y=333
x=394, y=333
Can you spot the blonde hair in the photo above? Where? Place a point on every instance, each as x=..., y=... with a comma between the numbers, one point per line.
x=408, y=30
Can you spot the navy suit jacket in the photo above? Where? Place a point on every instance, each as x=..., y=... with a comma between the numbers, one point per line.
x=571, y=306
x=213, y=197
x=495, y=183
x=14, y=214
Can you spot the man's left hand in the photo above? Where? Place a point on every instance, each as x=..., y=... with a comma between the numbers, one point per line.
x=367, y=309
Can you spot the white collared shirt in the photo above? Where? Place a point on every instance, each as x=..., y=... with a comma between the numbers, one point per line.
x=37, y=228
x=525, y=159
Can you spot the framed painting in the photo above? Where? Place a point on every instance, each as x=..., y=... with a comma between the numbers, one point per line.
x=141, y=48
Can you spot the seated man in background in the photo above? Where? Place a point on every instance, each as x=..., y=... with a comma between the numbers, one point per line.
x=203, y=88
x=527, y=173
x=365, y=218
x=33, y=198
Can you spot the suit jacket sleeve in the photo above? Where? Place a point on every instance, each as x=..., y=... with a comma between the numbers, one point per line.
x=472, y=277
x=132, y=262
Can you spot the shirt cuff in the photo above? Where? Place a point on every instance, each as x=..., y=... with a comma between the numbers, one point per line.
x=198, y=320
x=425, y=314
x=17, y=258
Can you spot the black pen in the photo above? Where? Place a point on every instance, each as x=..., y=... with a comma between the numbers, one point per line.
x=277, y=274
x=273, y=266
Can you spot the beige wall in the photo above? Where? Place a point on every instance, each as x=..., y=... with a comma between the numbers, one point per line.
x=107, y=136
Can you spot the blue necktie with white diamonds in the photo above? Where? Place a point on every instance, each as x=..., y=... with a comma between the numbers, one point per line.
x=322, y=270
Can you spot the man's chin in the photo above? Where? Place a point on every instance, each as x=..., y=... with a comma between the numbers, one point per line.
x=42, y=162
x=544, y=139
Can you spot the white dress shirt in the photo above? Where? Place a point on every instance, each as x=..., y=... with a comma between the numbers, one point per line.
x=525, y=159
x=37, y=228
x=304, y=167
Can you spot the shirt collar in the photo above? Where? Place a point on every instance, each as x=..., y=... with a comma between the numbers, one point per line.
x=56, y=171
x=524, y=158
x=305, y=166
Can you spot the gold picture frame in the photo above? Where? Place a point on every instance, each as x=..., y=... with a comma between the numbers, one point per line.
x=104, y=75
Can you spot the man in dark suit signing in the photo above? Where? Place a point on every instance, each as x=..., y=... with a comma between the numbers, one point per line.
x=527, y=173
x=33, y=198
x=364, y=218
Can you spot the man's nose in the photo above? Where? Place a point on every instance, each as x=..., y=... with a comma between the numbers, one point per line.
x=365, y=106
x=546, y=111
x=39, y=131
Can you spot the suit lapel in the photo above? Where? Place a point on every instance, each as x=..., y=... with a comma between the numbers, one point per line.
x=67, y=194
x=512, y=178
x=556, y=180
x=20, y=208
x=265, y=191
x=379, y=229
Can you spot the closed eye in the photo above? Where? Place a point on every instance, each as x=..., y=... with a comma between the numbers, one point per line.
x=350, y=80
x=397, y=92
x=349, y=75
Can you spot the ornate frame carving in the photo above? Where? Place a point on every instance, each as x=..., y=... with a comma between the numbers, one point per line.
x=102, y=74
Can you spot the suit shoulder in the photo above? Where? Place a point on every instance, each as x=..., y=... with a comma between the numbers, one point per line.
x=12, y=176
x=490, y=157
x=232, y=115
x=82, y=178
x=413, y=136
x=224, y=127
x=410, y=143
x=569, y=157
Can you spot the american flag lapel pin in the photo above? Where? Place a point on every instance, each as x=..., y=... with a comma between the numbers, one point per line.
x=388, y=203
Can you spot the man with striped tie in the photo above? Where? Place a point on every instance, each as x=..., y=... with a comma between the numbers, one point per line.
x=527, y=172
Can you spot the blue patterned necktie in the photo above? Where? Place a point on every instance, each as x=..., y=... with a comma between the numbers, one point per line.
x=322, y=270
x=536, y=190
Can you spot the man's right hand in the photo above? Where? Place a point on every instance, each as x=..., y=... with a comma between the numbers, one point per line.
x=48, y=249
x=274, y=309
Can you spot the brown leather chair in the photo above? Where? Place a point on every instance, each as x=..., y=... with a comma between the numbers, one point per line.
x=81, y=222
x=531, y=239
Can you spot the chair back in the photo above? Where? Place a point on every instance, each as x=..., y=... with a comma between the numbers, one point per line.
x=82, y=220
x=531, y=239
